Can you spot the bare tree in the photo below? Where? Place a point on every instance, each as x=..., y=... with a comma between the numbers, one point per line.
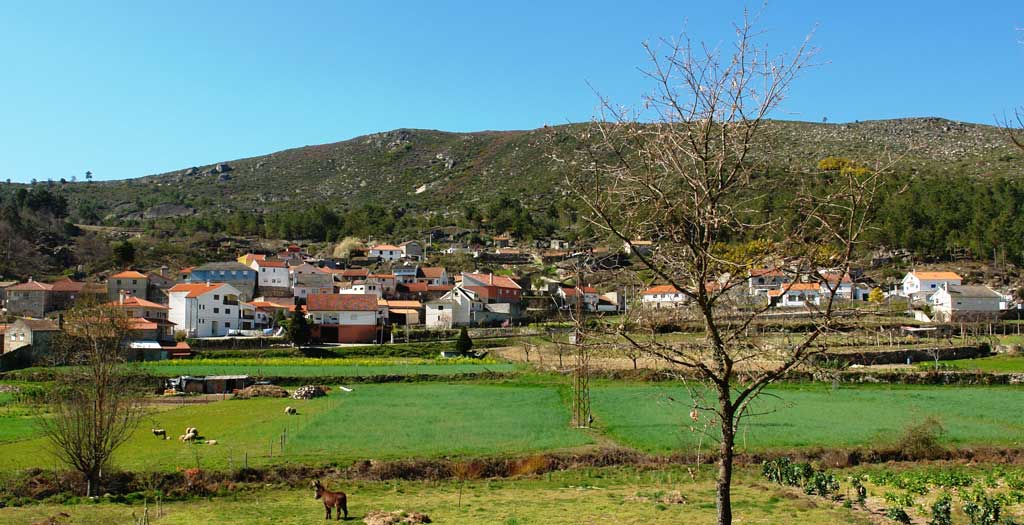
x=689, y=171
x=92, y=409
x=1014, y=127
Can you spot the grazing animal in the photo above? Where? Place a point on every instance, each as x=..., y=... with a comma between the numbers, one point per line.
x=290, y=411
x=211, y=441
x=160, y=432
x=335, y=500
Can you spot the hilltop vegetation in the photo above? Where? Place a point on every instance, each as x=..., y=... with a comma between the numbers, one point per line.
x=955, y=190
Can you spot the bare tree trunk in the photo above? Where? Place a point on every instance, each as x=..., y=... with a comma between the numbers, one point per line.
x=723, y=496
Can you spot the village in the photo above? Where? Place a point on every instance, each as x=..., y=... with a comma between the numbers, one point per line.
x=381, y=291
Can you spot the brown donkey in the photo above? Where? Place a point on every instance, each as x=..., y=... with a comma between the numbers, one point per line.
x=336, y=500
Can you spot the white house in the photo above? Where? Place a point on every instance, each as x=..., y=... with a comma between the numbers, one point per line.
x=796, y=294
x=662, y=296
x=927, y=283
x=570, y=295
x=386, y=252
x=764, y=280
x=204, y=309
x=363, y=287
x=271, y=273
x=458, y=307
x=959, y=302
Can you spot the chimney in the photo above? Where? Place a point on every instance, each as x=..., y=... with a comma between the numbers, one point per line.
x=163, y=272
x=29, y=278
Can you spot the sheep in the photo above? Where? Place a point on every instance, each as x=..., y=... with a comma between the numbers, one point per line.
x=290, y=411
x=211, y=441
x=159, y=432
x=191, y=434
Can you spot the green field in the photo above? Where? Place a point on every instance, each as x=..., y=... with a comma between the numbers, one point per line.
x=15, y=421
x=612, y=495
x=307, y=367
x=647, y=418
x=377, y=421
x=998, y=363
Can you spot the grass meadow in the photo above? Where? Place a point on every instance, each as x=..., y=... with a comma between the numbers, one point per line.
x=330, y=367
x=655, y=418
x=375, y=421
x=611, y=495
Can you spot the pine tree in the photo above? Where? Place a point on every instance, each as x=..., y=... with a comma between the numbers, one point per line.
x=464, y=344
x=298, y=328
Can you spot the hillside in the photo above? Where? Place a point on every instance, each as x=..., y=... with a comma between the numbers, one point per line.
x=435, y=170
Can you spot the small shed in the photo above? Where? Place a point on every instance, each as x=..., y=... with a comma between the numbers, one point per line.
x=209, y=384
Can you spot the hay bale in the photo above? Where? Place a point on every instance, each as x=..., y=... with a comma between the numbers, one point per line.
x=381, y=517
x=309, y=392
x=261, y=391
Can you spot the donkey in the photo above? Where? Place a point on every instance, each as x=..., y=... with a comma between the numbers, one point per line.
x=336, y=500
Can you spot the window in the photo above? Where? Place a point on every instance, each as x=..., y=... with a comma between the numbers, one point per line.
x=134, y=281
x=227, y=311
x=216, y=297
x=227, y=324
x=216, y=310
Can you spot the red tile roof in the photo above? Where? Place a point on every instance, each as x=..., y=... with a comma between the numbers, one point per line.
x=432, y=272
x=129, y=274
x=493, y=280
x=195, y=289
x=31, y=286
x=269, y=263
x=330, y=302
x=67, y=285
x=384, y=247
x=414, y=287
x=661, y=289
x=130, y=302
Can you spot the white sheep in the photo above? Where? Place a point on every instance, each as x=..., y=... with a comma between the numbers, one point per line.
x=211, y=441
x=290, y=411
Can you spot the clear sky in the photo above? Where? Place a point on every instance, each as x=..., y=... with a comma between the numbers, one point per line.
x=132, y=88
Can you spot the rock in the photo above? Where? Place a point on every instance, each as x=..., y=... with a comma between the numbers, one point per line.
x=162, y=211
x=309, y=392
x=381, y=517
x=223, y=177
x=191, y=171
x=223, y=167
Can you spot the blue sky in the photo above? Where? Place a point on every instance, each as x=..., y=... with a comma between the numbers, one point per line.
x=127, y=89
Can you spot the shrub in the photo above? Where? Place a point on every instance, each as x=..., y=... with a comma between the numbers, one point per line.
x=898, y=515
x=942, y=509
x=922, y=440
x=463, y=344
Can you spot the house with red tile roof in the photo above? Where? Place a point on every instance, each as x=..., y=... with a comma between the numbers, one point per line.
x=344, y=318
x=386, y=252
x=663, y=296
x=32, y=299
x=796, y=295
x=570, y=296
x=129, y=282
x=922, y=284
x=205, y=309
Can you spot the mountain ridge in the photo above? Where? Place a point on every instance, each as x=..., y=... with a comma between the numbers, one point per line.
x=435, y=170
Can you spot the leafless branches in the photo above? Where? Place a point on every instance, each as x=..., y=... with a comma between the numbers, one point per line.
x=92, y=410
x=691, y=172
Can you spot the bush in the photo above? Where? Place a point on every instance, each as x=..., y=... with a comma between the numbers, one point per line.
x=922, y=440
x=942, y=510
x=463, y=344
x=898, y=515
